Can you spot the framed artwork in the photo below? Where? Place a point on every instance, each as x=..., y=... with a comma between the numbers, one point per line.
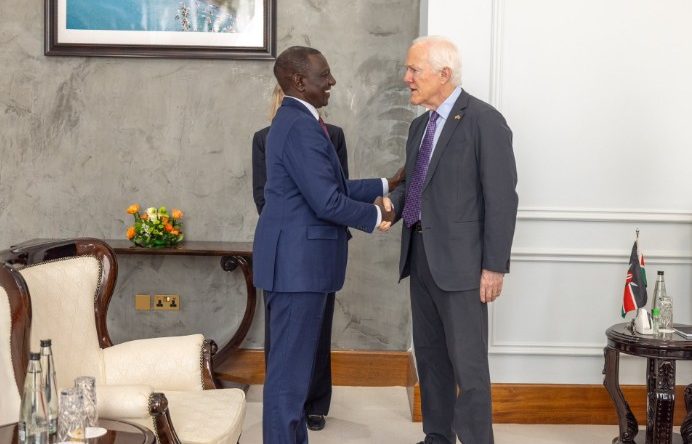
x=210, y=29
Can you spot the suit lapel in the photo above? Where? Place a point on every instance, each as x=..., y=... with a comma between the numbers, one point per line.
x=292, y=103
x=342, y=175
x=453, y=121
x=334, y=158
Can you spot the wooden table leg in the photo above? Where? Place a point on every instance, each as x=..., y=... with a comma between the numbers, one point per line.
x=650, y=389
x=686, y=427
x=660, y=383
x=230, y=263
x=626, y=420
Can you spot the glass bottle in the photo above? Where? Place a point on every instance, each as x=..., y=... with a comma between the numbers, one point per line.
x=659, y=290
x=664, y=304
x=49, y=385
x=32, y=416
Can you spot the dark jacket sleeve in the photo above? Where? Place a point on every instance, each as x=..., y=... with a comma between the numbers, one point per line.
x=306, y=159
x=498, y=177
x=259, y=167
x=337, y=137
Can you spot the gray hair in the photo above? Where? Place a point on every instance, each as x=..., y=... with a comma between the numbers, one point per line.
x=442, y=53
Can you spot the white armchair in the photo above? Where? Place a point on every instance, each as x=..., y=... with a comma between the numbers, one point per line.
x=163, y=384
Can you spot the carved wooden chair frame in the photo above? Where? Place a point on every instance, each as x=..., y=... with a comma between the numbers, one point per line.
x=20, y=312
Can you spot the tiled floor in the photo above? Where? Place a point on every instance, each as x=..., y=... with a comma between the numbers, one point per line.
x=361, y=415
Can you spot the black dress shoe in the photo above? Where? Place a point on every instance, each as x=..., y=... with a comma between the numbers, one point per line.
x=316, y=422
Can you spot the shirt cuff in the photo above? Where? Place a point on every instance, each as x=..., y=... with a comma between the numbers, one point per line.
x=385, y=186
x=379, y=218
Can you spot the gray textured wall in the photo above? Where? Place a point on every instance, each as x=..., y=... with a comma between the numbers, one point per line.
x=82, y=138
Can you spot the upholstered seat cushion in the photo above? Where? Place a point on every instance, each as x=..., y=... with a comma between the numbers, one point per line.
x=205, y=416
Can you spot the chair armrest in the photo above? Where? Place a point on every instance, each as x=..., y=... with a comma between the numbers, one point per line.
x=123, y=401
x=139, y=404
x=209, y=349
x=170, y=363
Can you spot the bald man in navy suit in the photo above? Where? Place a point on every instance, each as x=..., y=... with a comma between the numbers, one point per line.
x=320, y=393
x=300, y=247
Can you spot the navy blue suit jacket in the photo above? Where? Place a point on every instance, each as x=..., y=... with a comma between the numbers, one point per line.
x=301, y=241
x=259, y=164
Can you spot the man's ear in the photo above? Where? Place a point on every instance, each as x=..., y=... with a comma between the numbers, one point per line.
x=297, y=80
x=445, y=74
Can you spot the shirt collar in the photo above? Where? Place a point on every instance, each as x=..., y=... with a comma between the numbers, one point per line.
x=310, y=108
x=446, y=107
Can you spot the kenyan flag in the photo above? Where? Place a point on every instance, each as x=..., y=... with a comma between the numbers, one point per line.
x=635, y=284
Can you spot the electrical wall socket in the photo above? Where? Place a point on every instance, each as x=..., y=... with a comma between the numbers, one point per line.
x=142, y=302
x=166, y=302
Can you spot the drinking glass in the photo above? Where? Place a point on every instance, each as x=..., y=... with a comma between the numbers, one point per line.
x=71, y=420
x=666, y=319
x=87, y=385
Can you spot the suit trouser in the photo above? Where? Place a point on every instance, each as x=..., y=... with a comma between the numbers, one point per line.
x=450, y=337
x=320, y=393
x=296, y=320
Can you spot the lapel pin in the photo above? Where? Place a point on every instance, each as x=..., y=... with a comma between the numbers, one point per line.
x=457, y=117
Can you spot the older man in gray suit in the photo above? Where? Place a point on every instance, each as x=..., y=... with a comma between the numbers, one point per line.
x=459, y=207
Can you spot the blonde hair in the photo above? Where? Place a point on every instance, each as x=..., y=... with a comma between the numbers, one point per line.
x=275, y=103
x=442, y=53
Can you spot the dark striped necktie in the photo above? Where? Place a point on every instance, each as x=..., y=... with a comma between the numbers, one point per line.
x=412, y=206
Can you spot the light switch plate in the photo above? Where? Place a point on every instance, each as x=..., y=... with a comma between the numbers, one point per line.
x=142, y=302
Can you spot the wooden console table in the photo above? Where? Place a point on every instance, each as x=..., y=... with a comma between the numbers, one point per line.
x=233, y=255
x=661, y=353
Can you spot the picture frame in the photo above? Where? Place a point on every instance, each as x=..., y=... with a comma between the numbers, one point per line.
x=205, y=29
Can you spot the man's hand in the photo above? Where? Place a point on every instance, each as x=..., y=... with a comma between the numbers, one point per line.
x=396, y=179
x=387, y=210
x=491, y=285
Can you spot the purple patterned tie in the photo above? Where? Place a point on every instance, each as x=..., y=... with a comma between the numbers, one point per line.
x=413, y=196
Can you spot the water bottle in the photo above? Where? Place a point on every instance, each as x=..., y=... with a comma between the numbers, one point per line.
x=664, y=305
x=32, y=425
x=659, y=288
x=49, y=385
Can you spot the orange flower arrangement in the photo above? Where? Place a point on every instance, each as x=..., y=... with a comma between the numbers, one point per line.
x=155, y=228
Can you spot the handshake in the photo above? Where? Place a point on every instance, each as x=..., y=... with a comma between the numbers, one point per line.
x=385, y=204
x=387, y=210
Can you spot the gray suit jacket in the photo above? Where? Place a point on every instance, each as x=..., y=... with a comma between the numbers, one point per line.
x=469, y=202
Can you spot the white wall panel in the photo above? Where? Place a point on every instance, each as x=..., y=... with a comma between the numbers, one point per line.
x=599, y=98
x=599, y=94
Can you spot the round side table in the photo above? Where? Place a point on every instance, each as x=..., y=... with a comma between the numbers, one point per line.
x=661, y=353
x=118, y=432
